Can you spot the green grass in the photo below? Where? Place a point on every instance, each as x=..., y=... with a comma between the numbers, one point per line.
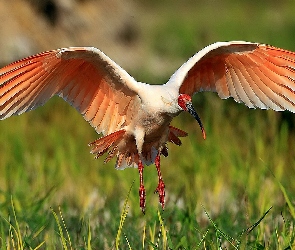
x=235, y=175
x=54, y=195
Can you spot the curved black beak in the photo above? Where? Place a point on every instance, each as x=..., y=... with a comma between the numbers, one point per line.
x=192, y=111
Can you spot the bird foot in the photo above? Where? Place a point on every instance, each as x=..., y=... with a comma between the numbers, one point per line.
x=161, y=185
x=142, y=198
x=141, y=187
x=161, y=192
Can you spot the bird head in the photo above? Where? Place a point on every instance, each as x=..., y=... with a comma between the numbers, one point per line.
x=185, y=103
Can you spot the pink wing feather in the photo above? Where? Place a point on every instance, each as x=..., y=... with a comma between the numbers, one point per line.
x=91, y=82
x=259, y=75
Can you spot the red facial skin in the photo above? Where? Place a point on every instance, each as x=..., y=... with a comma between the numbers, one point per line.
x=183, y=99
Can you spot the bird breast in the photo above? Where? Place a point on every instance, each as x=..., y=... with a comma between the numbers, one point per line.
x=145, y=137
x=148, y=128
x=155, y=125
x=156, y=129
x=153, y=116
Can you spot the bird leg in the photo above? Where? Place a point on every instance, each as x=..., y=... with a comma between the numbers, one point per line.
x=141, y=187
x=161, y=185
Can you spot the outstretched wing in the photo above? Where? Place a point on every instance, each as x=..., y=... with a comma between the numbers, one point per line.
x=85, y=77
x=256, y=74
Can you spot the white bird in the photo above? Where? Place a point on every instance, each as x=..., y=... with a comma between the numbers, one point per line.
x=135, y=117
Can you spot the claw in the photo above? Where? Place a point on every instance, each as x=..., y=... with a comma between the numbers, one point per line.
x=161, y=185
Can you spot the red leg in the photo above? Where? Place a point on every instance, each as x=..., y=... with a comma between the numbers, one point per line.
x=141, y=187
x=161, y=185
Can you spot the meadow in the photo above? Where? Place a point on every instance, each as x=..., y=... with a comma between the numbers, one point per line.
x=234, y=190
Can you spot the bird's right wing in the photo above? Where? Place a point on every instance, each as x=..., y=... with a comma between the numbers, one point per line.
x=98, y=88
x=258, y=75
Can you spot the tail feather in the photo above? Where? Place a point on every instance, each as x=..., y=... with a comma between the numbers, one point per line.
x=174, y=134
x=128, y=156
x=103, y=144
x=126, y=161
x=113, y=152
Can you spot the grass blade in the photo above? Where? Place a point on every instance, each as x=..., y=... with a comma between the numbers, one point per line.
x=65, y=227
x=286, y=196
x=219, y=232
x=17, y=229
x=122, y=218
x=63, y=240
x=89, y=237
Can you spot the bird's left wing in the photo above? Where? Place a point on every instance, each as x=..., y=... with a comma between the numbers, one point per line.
x=98, y=88
x=256, y=74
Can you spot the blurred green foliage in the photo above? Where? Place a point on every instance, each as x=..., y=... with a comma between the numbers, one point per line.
x=234, y=173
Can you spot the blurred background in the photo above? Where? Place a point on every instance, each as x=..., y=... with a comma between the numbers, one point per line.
x=143, y=36
x=44, y=155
